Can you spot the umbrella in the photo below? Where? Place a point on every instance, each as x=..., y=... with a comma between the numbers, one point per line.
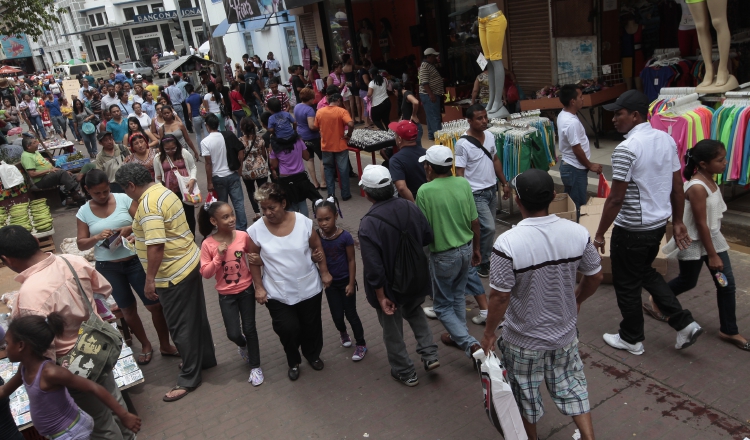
x=9, y=69
x=205, y=47
x=74, y=61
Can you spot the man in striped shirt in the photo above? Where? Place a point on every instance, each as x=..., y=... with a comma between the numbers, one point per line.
x=646, y=191
x=166, y=248
x=431, y=90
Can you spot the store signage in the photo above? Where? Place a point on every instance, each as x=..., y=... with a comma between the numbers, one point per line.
x=15, y=46
x=145, y=36
x=191, y=12
x=156, y=16
x=240, y=10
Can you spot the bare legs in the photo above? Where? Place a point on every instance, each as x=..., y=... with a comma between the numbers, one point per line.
x=310, y=166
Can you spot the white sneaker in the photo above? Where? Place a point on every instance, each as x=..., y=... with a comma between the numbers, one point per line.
x=479, y=319
x=687, y=336
x=430, y=312
x=615, y=342
x=256, y=377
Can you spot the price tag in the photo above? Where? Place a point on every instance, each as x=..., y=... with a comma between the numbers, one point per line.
x=482, y=61
x=606, y=70
x=656, y=81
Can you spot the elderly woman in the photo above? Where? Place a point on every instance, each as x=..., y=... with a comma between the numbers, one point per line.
x=291, y=286
x=172, y=157
x=105, y=216
x=138, y=112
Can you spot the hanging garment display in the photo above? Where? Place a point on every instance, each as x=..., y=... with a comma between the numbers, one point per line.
x=730, y=127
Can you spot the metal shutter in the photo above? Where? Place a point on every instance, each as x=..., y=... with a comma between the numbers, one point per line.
x=309, y=36
x=529, y=35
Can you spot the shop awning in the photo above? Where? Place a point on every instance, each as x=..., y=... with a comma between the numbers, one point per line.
x=174, y=65
x=221, y=29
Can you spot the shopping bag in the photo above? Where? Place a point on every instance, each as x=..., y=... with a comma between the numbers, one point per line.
x=229, y=124
x=499, y=404
x=603, y=190
x=189, y=197
x=10, y=175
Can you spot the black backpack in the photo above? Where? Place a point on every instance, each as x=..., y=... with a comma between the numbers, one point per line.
x=411, y=270
x=234, y=145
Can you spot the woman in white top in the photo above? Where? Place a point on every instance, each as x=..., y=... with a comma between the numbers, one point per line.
x=212, y=101
x=704, y=207
x=291, y=286
x=172, y=157
x=378, y=94
x=138, y=113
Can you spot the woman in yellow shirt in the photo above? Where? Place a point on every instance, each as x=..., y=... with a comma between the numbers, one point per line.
x=67, y=111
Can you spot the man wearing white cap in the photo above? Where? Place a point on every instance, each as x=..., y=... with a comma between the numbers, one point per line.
x=448, y=204
x=431, y=90
x=379, y=237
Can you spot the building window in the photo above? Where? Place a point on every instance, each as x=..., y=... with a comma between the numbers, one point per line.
x=157, y=7
x=106, y=19
x=92, y=20
x=60, y=55
x=70, y=53
x=142, y=10
x=99, y=19
x=197, y=23
x=249, y=42
x=186, y=4
x=145, y=30
x=129, y=13
x=98, y=37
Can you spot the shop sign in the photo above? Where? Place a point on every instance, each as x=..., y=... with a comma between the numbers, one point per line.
x=240, y=10
x=156, y=16
x=145, y=36
x=15, y=46
x=191, y=12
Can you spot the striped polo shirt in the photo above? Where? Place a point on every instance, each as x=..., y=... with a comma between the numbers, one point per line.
x=536, y=262
x=160, y=219
x=428, y=74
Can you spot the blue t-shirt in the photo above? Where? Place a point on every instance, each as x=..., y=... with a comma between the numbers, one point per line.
x=118, y=219
x=301, y=113
x=405, y=165
x=282, y=124
x=195, y=100
x=120, y=77
x=118, y=130
x=336, y=260
x=53, y=107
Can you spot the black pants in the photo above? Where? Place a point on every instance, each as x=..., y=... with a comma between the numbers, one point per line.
x=633, y=253
x=381, y=114
x=250, y=185
x=188, y=118
x=241, y=306
x=342, y=305
x=185, y=311
x=57, y=178
x=190, y=216
x=298, y=325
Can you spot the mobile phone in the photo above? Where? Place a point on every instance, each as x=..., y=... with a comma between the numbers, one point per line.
x=113, y=242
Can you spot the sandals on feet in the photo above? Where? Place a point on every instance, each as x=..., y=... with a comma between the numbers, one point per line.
x=173, y=354
x=146, y=358
x=654, y=314
x=739, y=344
x=187, y=390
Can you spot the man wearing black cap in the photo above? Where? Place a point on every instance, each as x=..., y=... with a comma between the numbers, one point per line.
x=646, y=191
x=110, y=158
x=540, y=316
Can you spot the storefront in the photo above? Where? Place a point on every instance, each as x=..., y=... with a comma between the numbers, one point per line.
x=16, y=52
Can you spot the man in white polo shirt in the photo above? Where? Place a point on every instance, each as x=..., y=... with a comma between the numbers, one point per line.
x=477, y=162
x=539, y=339
x=574, y=147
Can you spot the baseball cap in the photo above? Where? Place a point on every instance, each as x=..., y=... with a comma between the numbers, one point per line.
x=139, y=77
x=103, y=134
x=631, y=100
x=375, y=176
x=431, y=51
x=438, y=155
x=534, y=185
x=407, y=130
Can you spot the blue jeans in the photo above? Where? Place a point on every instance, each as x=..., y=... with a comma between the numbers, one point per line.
x=420, y=132
x=222, y=127
x=59, y=123
x=36, y=121
x=300, y=207
x=231, y=186
x=199, y=127
x=725, y=296
x=73, y=129
x=339, y=160
x=474, y=285
x=576, y=183
x=432, y=112
x=89, y=140
x=450, y=270
x=125, y=276
x=486, y=201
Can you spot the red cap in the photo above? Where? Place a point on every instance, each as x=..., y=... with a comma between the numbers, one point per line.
x=407, y=130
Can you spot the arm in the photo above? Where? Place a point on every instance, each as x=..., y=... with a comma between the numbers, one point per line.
x=460, y=172
x=498, y=305
x=611, y=208
x=189, y=109
x=11, y=385
x=697, y=195
x=403, y=190
x=305, y=154
x=329, y=82
x=369, y=92
x=475, y=91
x=210, y=261
x=153, y=141
x=588, y=287
x=261, y=296
x=583, y=160
x=311, y=124
x=186, y=135
x=677, y=197
x=415, y=108
x=209, y=173
x=476, y=257
x=500, y=176
x=316, y=246
x=84, y=240
x=348, y=133
x=155, y=255
x=352, y=270
x=428, y=89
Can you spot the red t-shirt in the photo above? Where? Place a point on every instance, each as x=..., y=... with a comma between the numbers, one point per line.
x=236, y=97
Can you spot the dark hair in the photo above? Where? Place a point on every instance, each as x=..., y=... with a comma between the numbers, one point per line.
x=408, y=85
x=313, y=63
x=270, y=191
x=26, y=142
x=75, y=102
x=345, y=58
x=170, y=81
x=134, y=173
x=704, y=151
x=189, y=88
x=474, y=109
x=96, y=177
x=376, y=76
x=274, y=105
x=440, y=169
x=211, y=88
x=537, y=205
x=386, y=24
x=139, y=130
x=366, y=63
x=330, y=90
x=380, y=194
x=205, y=227
x=233, y=85
x=163, y=153
x=274, y=81
x=264, y=117
x=334, y=98
x=568, y=92
x=325, y=203
x=113, y=105
x=336, y=64
x=17, y=242
x=212, y=121
x=37, y=331
x=247, y=126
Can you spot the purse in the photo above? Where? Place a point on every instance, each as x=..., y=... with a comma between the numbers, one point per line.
x=98, y=345
x=191, y=198
x=255, y=166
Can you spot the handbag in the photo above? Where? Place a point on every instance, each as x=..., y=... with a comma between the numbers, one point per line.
x=98, y=345
x=88, y=127
x=255, y=166
x=499, y=403
x=189, y=197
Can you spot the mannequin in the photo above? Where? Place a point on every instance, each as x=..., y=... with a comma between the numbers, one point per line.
x=492, y=25
x=705, y=13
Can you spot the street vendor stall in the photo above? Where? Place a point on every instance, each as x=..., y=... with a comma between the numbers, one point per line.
x=190, y=64
x=369, y=141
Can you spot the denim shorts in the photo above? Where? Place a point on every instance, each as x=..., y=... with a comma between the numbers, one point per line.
x=123, y=275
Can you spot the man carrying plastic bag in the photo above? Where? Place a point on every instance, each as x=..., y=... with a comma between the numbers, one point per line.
x=532, y=275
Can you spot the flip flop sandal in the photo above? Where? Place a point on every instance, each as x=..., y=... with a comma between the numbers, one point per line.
x=736, y=343
x=187, y=390
x=147, y=357
x=654, y=314
x=174, y=354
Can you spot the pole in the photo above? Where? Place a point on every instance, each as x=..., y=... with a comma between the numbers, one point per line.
x=216, y=54
x=182, y=27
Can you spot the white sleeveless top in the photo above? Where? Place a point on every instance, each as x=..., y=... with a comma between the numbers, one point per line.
x=715, y=208
x=289, y=274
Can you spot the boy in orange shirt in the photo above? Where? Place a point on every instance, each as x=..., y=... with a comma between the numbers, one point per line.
x=334, y=138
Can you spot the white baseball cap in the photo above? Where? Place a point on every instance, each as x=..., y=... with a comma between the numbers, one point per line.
x=375, y=176
x=431, y=51
x=138, y=77
x=438, y=155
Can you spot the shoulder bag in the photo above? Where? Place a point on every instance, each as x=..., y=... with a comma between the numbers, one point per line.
x=474, y=141
x=98, y=345
x=255, y=166
x=188, y=197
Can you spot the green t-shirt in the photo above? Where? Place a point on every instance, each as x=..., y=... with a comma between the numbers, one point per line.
x=36, y=162
x=449, y=206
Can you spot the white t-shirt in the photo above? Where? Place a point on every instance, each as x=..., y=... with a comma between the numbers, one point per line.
x=108, y=101
x=379, y=93
x=479, y=169
x=570, y=132
x=213, y=106
x=273, y=64
x=144, y=119
x=646, y=160
x=213, y=145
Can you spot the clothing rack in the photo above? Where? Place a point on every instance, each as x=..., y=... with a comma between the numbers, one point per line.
x=675, y=92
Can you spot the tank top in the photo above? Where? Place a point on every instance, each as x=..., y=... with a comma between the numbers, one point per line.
x=52, y=411
x=178, y=134
x=338, y=80
x=715, y=208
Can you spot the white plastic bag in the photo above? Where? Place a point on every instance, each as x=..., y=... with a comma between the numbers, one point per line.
x=499, y=403
x=229, y=125
x=10, y=175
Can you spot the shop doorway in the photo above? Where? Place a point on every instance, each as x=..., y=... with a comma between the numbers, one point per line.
x=146, y=49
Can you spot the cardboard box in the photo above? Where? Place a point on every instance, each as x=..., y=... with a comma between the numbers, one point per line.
x=453, y=112
x=591, y=214
x=563, y=207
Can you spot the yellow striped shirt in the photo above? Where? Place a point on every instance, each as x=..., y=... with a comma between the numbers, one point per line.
x=160, y=219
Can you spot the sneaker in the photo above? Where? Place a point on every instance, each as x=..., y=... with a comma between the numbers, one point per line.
x=256, y=377
x=613, y=340
x=410, y=381
x=483, y=271
x=346, y=341
x=430, y=365
x=430, y=312
x=479, y=319
x=687, y=336
x=242, y=351
x=359, y=353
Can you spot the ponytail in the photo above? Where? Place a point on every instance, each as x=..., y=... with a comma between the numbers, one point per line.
x=205, y=227
x=36, y=331
x=704, y=151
